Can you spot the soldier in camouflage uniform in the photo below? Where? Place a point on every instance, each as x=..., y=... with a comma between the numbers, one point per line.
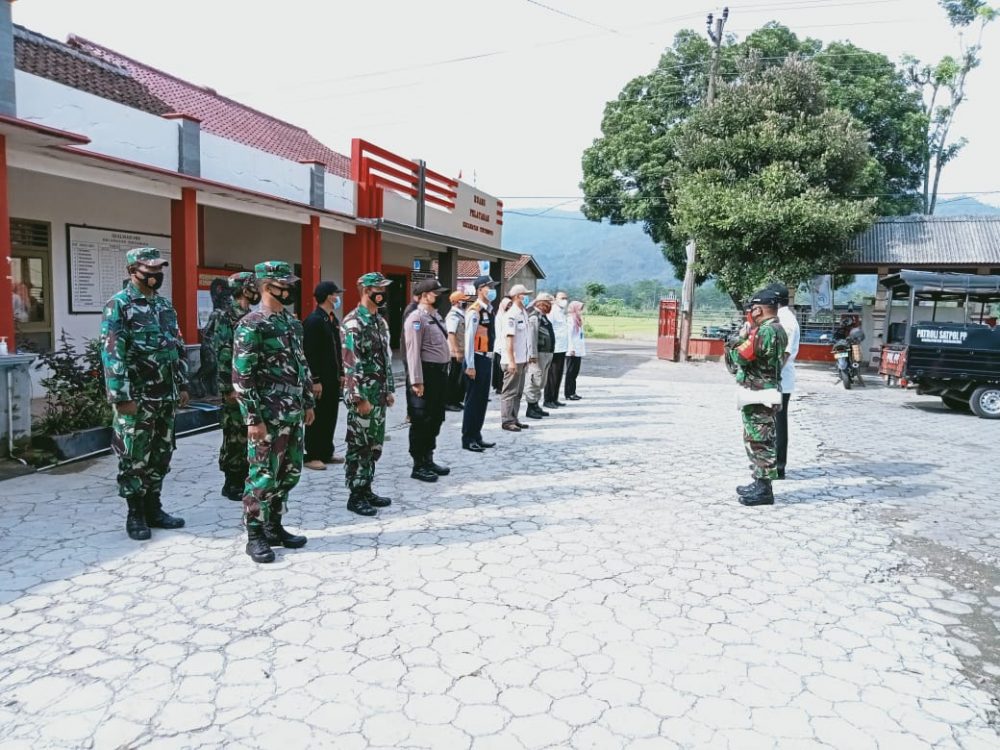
x=275, y=393
x=233, y=453
x=145, y=375
x=759, y=355
x=368, y=387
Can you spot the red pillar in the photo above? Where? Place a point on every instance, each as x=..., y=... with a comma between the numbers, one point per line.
x=311, y=264
x=363, y=249
x=184, y=261
x=6, y=272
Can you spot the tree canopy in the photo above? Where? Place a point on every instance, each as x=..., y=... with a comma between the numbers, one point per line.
x=628, y=171
x=767, y=179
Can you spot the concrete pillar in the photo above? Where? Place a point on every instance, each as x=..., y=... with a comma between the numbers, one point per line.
x=8, y=100
x=188, y=143
x=184, y=261
x=497, y=274
x=6, y=272
x=317, y=183
x=311, y=269
x=448, y=276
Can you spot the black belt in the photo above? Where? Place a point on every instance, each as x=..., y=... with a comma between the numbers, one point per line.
x=432, y=365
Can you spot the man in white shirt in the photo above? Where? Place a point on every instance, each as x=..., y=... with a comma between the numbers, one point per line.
x=561, y=327
x=786, y=316
x=515, y=353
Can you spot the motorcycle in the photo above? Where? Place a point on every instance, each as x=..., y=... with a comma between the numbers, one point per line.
x=847, y=354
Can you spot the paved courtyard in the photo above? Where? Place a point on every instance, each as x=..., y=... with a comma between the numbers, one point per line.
x=591, y=583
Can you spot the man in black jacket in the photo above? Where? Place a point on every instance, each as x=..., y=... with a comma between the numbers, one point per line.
x=322, y=346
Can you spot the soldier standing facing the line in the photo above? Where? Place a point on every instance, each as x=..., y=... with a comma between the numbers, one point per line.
x=479, y=344
x=368, y=386
x=759, y=355
x=233, y=453
x=275, y=393
x=145, y=375
x=427, y=360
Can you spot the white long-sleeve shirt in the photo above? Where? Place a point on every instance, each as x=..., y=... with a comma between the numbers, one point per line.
x=560, y=327
x=791, y=325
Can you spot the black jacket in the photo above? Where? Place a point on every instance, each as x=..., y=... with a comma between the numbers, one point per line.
x=322, y=344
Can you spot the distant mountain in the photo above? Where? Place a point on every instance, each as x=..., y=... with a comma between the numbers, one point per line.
x=965, y=206
x=573, y=251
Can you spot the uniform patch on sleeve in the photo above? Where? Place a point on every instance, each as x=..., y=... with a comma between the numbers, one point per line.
x=416, y=325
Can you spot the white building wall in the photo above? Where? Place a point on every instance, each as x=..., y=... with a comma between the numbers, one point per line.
x=233, y=163
x=339, y=194
x=113, y=129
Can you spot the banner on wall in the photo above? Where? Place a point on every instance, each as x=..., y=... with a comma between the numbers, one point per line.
x=821, y=292
x=96, y=258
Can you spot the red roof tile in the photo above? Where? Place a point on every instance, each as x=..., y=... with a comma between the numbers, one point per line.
x=222, y=116
x=469, y=269
x=46, y=58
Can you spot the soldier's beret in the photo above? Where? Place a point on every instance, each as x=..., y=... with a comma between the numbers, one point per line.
x=275, y=270
x=374, y=278
x=150, y=256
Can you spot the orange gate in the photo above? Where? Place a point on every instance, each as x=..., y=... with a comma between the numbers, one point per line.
x=668, y=343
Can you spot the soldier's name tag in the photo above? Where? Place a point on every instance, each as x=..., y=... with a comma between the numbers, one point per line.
x=768, y=397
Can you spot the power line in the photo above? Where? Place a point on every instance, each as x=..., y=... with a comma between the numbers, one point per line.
x=563, y=13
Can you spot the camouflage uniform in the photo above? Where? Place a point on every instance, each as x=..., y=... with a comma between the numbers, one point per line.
x=367, y=377
x=143, y=356
x=758, y=357
x=272, y=381
x=233, y=453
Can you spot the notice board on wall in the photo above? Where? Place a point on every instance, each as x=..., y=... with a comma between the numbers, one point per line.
x=97, y=264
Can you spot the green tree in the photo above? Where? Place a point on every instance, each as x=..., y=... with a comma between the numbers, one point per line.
x=627, y=171
x=767, y=179
x=594, y=290
x=941, y=88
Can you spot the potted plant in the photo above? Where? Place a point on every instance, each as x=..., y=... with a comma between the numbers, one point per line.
x=77, y=416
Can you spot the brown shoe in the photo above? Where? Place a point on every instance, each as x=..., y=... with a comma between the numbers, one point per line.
x=316, y=465
x=511, y=427
x=335, y=459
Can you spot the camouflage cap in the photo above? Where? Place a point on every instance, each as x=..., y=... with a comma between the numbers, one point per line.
x=241, y=280
x=149, y=256
x=275, y=270
x=374, y=279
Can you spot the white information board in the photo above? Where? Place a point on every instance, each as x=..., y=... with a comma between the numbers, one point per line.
x=97, y=264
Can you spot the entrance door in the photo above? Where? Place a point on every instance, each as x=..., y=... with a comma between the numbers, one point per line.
x=398, y=299
x=32, y=284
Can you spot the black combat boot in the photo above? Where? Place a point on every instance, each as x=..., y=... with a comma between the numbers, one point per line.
x=534, y=412
x=135, y=523
x=441, y=471
x=233, y=488
x=376, y=501
x=257, y=547
x=745, y=489
x=761, y=494
x=155, y=516
x=422, y=471
x=278, y=536
x=358, y=503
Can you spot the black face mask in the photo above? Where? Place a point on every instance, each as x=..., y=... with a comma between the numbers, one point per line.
x=152, y=280
x=284, y=295
x=252, y=295
x=378, y=298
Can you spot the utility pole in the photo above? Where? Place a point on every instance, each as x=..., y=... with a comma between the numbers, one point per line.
x=715, y=28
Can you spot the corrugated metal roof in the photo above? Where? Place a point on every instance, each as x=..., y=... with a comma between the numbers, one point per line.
x=930, y=240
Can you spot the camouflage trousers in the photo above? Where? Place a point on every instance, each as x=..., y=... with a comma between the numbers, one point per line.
x=759, y=440
x=365, y=436
x=233, y=453
x=275, y=467
x=144, y=443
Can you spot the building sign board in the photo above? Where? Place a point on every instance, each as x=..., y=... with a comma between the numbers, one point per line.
x=97, y=264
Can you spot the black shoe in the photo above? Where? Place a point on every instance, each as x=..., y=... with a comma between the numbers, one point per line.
x=746, y=489
x=474, y=447
x=484, y=444
x=559, y=403
x=441, y=471
x=534, y=412
x=358, y=503
x=760, y=495
x=135, y=523
x=233, y=488
x=454, y=407
x=376, y=501
x=574, y=397
x=523, y=426
x=257, y=547
x=278, y=536
x=781, y=473
x=550, y=405
x=511, y=427
x=157, y=519
x=423, y=473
